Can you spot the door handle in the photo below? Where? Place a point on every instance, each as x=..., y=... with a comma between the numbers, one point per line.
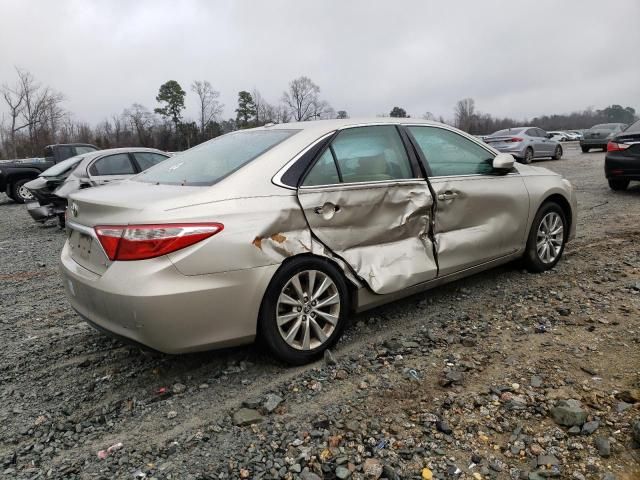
x=448, y=195
x=327, y=208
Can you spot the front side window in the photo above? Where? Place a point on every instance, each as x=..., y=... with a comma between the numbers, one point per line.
x=118, y=164
x=148, y=159
x=211, y=161
x=448, y=153
x=362, y=154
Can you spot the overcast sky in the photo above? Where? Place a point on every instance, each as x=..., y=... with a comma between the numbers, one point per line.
x=515, y=58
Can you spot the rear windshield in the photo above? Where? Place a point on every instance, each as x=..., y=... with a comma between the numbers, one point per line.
x=210, y=162
x=605, y=126
x=508, y=131
x=62, y=167
x=635, y=128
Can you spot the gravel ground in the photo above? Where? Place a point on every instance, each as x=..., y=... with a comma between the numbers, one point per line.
x=501, y=375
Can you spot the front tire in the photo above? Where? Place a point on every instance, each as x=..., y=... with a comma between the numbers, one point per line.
x=547, y=238
x=618, y=184
x=20, y=193
x=585, y=149
x=304, y=310
x=558, y=153
x=528, y=156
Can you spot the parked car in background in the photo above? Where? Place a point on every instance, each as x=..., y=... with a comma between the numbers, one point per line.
x=283, y=231
x=622, y=162
x=14, y=175
x=573, y=135
x=525, y=143
x=558, y=136
x=51, y=189
x=599, y=135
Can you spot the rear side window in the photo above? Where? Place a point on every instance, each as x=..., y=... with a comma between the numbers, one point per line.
x=363, y=154
x=65, y=152
x=448, y=153
x=118, y=164
x=211, y=161
x=148, y=159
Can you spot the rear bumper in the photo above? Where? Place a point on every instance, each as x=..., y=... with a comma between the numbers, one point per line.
x=41, y=213
x=594, y=142
x=516, y=150
x=151, y=303
x=619, y=165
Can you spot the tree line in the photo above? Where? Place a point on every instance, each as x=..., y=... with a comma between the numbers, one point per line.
x=35, y=117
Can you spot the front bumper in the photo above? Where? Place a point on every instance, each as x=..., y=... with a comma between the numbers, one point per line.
x=151, y=303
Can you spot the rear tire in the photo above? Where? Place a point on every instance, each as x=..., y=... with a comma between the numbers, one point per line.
x=298, y=319
x=20, y=193
x=604, y=149
x=547, y=238
x=618, y=184
x=558, y=153
x=528, y=156
x=585, y=149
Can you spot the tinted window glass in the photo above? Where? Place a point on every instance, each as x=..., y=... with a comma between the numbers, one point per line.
x=213, y=160
x=65, y=152
x=148, y=159
x=368, y=154
x=448, y=153
x=324, y=172
x=80, y=150
x=532, y=132
x=62, y=167
x=118, y=164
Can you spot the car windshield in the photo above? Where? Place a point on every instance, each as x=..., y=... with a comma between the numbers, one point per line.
x=62, y=167
x=605, y=126
x=210, y=162
x=508, y=131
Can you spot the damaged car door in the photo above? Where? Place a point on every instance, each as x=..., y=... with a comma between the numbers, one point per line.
x=366, y=200
x=481, y=214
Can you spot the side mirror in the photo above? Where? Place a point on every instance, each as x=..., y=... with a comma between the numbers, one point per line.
x=503, y=162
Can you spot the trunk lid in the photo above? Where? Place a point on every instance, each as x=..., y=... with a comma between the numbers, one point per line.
x=121, y=204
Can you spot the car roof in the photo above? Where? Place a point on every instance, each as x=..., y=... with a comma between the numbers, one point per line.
x=111, y=151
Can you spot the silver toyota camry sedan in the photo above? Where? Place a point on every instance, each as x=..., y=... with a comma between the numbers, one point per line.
x=281, y=232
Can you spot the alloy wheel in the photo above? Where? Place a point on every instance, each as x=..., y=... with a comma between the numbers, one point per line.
x=528, y=156
x=308, y=310
x=550, y=237
x=24, y=193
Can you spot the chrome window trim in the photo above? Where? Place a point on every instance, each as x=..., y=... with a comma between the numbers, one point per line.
x=277, y=178
x=375, y=183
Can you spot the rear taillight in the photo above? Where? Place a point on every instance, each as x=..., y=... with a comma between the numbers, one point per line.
x=616, y=147
x=515, y=139
x=139, y=242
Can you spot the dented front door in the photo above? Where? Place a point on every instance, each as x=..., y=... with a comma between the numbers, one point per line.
x=380, y=230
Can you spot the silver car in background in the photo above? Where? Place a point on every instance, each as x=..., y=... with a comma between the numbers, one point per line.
x=283, y=231
x=525, y=143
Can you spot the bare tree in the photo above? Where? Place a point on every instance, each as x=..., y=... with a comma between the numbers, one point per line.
x=14, y=98
x=141, y=120
x=209, y=105
x=464, y=113
x=428, y=116
x=302, y=98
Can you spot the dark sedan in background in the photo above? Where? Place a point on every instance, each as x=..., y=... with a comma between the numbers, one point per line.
x=622, y=162
x=599, y=135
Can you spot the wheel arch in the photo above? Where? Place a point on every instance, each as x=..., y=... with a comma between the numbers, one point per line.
x=564, y=205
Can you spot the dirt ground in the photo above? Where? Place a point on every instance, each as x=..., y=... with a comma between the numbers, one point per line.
x=460, y=382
